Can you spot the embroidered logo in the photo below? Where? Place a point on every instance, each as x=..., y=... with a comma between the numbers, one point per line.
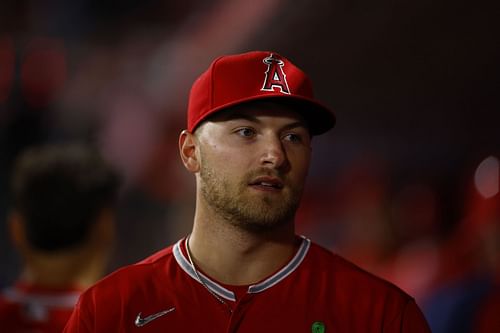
x=139, y=321
x=318, y=327
x=275, y=76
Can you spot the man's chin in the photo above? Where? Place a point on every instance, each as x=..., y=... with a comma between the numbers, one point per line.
x=264, y=216
x=256, y=225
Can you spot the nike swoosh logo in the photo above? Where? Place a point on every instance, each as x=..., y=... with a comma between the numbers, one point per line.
x=139, y=322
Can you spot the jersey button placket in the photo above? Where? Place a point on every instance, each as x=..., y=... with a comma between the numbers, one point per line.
x=238, y=313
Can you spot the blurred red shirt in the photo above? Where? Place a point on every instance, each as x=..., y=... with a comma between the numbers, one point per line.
x=26, y=308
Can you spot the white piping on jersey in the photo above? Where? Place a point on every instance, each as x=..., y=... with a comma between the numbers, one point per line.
x=256, y=288
x=285, y=271
x=213, y=286
x=66, y=300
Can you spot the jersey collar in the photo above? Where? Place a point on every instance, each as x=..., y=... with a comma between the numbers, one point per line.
x=227, y=294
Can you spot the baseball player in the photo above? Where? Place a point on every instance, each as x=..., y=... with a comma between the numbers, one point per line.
x=250, y=121
x=62, y=224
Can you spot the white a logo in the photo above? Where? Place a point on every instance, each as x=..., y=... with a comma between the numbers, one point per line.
x=275, y=77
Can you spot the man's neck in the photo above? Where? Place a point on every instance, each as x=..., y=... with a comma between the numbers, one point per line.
x=235, y=256
x=63, y=271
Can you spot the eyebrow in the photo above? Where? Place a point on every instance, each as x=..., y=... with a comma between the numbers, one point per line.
x=254, y=119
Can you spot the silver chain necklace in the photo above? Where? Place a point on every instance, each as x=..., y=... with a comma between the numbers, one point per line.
x=203, y=282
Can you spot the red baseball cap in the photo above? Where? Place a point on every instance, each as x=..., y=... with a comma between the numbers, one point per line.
x=258, y=75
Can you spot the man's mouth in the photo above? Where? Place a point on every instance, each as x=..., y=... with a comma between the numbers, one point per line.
x=266, y=182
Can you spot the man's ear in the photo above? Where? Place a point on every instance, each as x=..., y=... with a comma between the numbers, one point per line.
x=17, y=230
x=104, y=231
x=187, y=149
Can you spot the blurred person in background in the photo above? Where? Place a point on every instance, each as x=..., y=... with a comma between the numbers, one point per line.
x=243, y=268
x=62, y=224
x=466, y=296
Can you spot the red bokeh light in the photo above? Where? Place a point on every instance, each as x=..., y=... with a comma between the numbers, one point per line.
x=43, y=71
x=7, y=59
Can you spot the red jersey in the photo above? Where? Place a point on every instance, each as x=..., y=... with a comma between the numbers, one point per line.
x=30, y=309
x=316, y=291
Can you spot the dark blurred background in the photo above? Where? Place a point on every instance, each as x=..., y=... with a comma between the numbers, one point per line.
x=399, y=186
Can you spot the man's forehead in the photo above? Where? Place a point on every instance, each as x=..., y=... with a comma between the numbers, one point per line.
x=256, y=110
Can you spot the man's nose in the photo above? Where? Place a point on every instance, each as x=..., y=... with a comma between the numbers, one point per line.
x=273, y=153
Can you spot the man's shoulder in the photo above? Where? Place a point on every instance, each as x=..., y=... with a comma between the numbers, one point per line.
x=132, y=278
x=349, y=276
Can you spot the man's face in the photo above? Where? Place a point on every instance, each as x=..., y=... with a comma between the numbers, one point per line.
x=253, y=164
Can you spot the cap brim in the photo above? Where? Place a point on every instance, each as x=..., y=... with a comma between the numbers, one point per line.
x=319, y=118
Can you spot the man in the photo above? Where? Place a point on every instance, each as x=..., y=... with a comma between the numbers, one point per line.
x=62, y=223
x=242, y=269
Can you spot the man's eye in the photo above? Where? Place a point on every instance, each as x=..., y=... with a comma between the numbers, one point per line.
x=292, y=137
x=246, y=132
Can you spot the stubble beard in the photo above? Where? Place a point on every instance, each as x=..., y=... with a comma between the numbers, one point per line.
x=236, y=205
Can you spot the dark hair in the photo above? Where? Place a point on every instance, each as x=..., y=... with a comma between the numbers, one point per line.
x=60, y=190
